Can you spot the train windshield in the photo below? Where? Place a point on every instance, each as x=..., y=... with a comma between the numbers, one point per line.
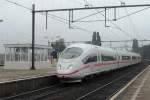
x=71, y=53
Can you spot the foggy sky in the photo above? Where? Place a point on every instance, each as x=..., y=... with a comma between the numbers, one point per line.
x=16, y=27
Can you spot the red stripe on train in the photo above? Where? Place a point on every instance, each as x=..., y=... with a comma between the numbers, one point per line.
x=96, y=65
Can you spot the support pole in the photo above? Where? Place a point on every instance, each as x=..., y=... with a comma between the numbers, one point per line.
x=142, y=50
x=46, y=19
x=69, y=19
x=72, y=16
x=33, y=40
x=115, y=14
x=105, y=18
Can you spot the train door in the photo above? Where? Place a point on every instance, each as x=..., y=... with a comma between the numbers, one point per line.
x=91, y=60
x=98, y=63
x=118, y=59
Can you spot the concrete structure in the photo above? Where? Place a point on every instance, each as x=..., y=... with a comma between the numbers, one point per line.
x=13, y=82
x=19, y=56
x=8, y=75
x=137, y=89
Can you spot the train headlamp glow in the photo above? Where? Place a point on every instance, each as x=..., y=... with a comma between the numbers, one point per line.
x=70, y=67
x=59, y=66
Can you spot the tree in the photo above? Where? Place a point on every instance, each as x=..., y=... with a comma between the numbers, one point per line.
x=145, y=51
x=94, y=38
x=135, y=46
x=98, y=39
x=59, y=45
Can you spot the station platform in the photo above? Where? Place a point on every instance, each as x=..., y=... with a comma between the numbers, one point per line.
x=12, y=74
x=137, y=89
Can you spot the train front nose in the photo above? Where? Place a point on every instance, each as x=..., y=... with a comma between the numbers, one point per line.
x=64, y=68
x=68, y=73
x=67, y=70
x=68, y=63
x=64, y=65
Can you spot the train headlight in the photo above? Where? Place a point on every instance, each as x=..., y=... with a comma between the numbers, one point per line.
x=59, y=66
x=70, y=67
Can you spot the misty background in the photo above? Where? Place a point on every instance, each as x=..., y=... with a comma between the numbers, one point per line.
x=17, y=22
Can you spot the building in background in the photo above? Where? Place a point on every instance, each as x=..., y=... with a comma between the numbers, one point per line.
x=19, y=56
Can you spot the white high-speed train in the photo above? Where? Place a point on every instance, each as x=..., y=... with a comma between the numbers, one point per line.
x=80, y=60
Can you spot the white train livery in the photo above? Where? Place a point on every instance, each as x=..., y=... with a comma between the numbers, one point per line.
x=80, y=60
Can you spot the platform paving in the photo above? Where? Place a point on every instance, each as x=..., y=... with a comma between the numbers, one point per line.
x=137, y=89
x=9, y=74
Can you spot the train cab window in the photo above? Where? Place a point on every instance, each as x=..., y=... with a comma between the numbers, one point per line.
x=71, y=53
x=139, y=57
x=126, y=58
x=90, y=59
x=133, y=58
x=108, y=57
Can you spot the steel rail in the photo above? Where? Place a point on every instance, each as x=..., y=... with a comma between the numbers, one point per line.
x=101, y=87
x=30, y=92
x=40, y=97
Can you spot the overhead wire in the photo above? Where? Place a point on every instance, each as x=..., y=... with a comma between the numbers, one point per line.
x=119, y=18
x=119, y=28
x=18, y=4
x=116, y=26
x=87, y=3
x=90, y=21
x=98, y=12
x=15, y=3
x=131, y=22
x=52, y=16
x=77, y=20
x=133, y=13
x=73, y=26
x=123, y=17
x=89, y=15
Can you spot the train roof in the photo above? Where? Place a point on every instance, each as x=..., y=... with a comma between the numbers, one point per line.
x=83, y=46
x=104, y=49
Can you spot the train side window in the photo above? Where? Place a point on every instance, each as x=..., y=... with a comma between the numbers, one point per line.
x=108, y=57
x=126, y=57
x=118, y=57
x=133, y=57
x=90, y=59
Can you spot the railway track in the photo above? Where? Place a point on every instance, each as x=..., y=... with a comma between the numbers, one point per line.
x=30, y=94
x=104, y=92
x=98, y=88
